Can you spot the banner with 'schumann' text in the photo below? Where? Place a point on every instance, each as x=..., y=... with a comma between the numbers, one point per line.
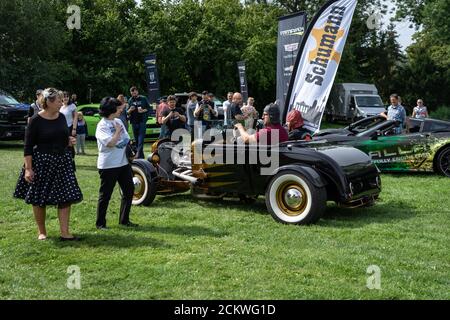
x=318, y=60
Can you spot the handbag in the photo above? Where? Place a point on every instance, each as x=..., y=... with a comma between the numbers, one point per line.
x=131, y=151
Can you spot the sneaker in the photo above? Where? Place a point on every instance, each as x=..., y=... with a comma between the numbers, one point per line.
x=102, y=227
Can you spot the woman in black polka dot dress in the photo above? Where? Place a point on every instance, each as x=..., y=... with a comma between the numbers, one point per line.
x=48, y=177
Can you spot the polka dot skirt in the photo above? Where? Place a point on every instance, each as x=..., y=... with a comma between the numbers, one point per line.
x=54, y=181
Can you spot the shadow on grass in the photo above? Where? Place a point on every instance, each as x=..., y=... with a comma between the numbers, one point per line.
x=180, y=200
x=379, y=213
x=11, y=145
x=112, y=240
x=383, y=213
x=416, y=175
x=191, y=231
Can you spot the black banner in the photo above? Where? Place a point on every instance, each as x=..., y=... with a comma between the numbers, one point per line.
x=290, y=34
x=151, y=72
x=243, y=80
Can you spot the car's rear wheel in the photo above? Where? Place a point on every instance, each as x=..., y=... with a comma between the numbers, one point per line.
x=144, y=186
x=442, y=162
x=292, y=199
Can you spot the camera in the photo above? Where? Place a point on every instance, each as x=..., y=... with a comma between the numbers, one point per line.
x=259, y=124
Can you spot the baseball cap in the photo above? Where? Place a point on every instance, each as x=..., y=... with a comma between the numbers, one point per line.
x=274, y=113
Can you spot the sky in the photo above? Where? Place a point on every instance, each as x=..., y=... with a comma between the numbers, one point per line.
x=404, y=32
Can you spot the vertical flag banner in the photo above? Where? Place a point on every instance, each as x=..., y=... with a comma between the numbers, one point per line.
x=291, y=29
x=318, y=60
x=152, y=78
x=243, y=80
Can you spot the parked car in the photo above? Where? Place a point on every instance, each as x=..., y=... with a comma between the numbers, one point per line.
x=13, y=117
x=296, y=191
x=424, y=146
x=92, y=117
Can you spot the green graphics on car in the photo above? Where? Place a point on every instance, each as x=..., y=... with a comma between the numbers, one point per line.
x=401, y=153
x=92, y=117
x=424, y=144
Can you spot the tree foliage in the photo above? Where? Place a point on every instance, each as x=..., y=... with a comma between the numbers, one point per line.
x=198, y=43
x=426, y=72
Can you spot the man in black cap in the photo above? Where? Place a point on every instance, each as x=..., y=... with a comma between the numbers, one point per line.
x=35, y=107
x=271, y=117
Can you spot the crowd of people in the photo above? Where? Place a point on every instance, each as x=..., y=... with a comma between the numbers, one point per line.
x=55, y=128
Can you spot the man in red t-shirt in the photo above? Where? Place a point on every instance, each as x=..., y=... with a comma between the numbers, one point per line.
x=271, y=117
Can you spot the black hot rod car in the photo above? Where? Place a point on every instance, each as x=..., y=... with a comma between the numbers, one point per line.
x=296, y=190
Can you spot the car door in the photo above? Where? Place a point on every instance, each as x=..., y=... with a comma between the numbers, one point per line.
x=392, y=152
x=230, y=167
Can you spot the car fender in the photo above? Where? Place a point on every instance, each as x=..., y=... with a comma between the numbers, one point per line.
x=147, y=167
x=307, y=171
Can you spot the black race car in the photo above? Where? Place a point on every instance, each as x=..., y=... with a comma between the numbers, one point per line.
x=296, y=185
x=424, y=145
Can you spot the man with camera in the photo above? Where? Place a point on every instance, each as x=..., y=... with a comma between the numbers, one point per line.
x=206, y=111
x=138, y=114
x=173, y=117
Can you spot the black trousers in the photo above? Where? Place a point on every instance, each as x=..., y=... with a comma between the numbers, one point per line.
x=108, y=178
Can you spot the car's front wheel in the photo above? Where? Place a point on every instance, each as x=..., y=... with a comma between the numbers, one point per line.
x=144, y=186
x=292, y=199
x=442, y=162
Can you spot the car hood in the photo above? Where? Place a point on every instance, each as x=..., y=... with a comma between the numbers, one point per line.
x=353, y=162
x=22, y=106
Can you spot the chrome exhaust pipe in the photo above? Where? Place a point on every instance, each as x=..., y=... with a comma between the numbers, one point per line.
x=185, y=175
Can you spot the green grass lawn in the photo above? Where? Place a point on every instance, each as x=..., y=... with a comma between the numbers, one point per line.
x=192, y=249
